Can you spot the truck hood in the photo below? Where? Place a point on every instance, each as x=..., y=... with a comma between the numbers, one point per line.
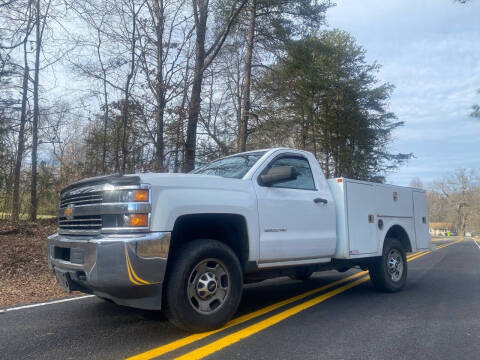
x=165, y=180
x=114, y=179
x=175, y=180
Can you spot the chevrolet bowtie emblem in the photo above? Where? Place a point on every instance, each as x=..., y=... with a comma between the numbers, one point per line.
x=68, y=212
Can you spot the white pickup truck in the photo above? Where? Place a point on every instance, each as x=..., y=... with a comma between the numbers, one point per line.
x=187, y=243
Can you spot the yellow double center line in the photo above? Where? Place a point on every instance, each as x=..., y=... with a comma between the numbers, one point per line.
x=261, y=325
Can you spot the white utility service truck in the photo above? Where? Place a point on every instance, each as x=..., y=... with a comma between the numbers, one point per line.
x=187, y=243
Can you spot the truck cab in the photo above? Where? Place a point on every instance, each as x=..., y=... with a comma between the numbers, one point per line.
x=186, y=243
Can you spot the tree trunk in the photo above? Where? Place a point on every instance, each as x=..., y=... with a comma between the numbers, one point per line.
x=160, y=146
x=243, y=126
x=200, y=10
x=127, y=95
x=195, y=98
x=124, y=128
x=117, y=145
x=21, y=139
x=180, y=143
x=36, y=115
x=160, y=88
x=105, y=126
x=193, y=115
x=303, y=131
x=105, y=100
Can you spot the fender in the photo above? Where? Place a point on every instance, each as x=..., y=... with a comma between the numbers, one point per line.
x=403, y=229
x=207, y=195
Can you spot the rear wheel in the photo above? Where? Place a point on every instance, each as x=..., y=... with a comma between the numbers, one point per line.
x=204, y=286
x=389, y=272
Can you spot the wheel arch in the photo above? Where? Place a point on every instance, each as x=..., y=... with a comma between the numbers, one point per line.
x=230, y=229
x=398, y=232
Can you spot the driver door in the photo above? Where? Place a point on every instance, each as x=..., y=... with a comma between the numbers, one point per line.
x=296, y=217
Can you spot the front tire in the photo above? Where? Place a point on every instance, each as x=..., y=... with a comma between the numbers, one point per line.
x=389, y=272
x=204, y=286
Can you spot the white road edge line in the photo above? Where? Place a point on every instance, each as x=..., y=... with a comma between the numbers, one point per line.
x=44, y=303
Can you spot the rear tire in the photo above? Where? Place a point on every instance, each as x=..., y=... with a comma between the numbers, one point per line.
x=389, y=272
x=203, y=286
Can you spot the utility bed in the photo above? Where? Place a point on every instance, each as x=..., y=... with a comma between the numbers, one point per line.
x=365, y=209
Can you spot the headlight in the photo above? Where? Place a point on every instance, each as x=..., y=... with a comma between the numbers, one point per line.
x=128, y=209
x=126, y=196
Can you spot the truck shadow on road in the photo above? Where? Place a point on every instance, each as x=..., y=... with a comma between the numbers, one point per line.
x=255, y=296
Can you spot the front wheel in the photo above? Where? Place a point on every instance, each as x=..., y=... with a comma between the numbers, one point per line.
x=204, y=286
x=389, y=272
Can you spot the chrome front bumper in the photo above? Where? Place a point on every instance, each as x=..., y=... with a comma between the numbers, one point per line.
x=128, y=269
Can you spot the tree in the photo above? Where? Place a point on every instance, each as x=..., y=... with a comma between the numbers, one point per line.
x=276, y=22
x=23, y=120
x=165, y=85
x=15, y=28
x=41, y=17
x=165, y=37
x=94, y=17
x=128, y=82
x=460, y=193
x=416, y=183
x=92, y=140
x=117, y=49
x=476, y=107
x=203, y=58
x=16, y=25
x=245, y=110
x=325, y=98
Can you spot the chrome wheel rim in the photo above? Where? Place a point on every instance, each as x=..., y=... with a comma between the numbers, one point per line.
x=395, y=265
x=208, y=286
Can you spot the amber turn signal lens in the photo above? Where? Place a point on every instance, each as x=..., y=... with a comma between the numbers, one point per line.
x=140, y=195
x=138, y=220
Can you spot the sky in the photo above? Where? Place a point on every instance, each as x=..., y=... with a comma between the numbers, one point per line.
x=430, y=51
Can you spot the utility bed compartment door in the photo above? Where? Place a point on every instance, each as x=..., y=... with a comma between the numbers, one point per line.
x=422, y=234
x=394, y=201
x=361, y=225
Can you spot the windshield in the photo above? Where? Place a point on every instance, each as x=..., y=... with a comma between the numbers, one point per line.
x=230, y=167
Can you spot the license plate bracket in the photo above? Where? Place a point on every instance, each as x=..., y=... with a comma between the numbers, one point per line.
x=63, y=280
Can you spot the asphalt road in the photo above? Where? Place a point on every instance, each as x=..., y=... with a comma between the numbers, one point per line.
x=437, y=316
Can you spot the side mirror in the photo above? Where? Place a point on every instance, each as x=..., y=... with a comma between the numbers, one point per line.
x=278, y=174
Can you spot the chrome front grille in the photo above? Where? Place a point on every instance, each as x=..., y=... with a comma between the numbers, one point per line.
x=102, y=207
x=86, y=198
x=80, y=224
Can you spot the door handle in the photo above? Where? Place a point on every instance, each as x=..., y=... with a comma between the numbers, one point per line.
x=320, y=200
